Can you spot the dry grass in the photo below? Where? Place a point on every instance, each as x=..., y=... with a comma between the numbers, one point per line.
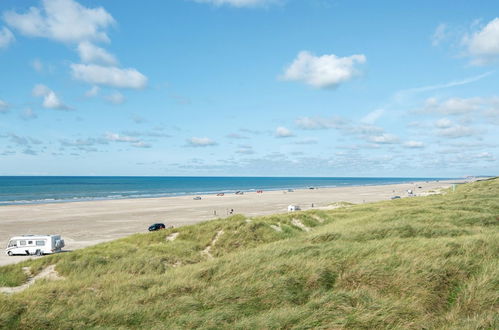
x=428, y=262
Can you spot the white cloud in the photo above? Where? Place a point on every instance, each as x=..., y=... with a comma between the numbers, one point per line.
x=37, y=65
x=50, y=99
x=483, y=45
x=92, y=92
x=236, y=136
x=115, y=98
x=283, y=132
x=384, y=138
x=28, y=114
x=141, y=144
x=89, y=53
x=110, y=76
x=373, y=116
x=485, y=156
x=245, y=150
x=4, y=107
x=444, y=123
x=6, y=37
x=310, y=123
x=453, y=106
x=240, y=3
x=439, y=35
x=62, y=20
x=448, y=129
x=201, y=142
x=307, y=141
x=326, y=71
x=115, y=137
x=414, y=144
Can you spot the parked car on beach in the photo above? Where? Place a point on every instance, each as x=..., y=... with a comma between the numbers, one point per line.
x=197, y=198
x=157, y=226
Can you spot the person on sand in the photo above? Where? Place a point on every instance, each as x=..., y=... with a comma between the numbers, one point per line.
x=231, y=211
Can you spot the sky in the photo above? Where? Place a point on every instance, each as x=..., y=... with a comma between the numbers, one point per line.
x=249, y=88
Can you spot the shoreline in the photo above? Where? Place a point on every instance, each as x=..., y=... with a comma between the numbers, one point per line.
x=86, y=223
x=211, y=192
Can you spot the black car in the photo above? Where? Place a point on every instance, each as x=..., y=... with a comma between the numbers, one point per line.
x=157, y=226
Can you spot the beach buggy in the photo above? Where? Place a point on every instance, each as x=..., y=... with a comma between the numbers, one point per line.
x=34, y=245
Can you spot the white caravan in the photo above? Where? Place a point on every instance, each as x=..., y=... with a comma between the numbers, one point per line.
x=34, y=244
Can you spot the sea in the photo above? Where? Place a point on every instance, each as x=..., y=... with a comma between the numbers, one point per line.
x=60, y=189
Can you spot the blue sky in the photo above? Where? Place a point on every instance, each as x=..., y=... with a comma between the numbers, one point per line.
x=249, y=87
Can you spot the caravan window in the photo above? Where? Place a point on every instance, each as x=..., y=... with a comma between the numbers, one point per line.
x=30, y=242
x=40, y=243
x=22, y=242
x=12, y=243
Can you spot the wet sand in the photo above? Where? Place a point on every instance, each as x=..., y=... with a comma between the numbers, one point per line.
x=83, y=224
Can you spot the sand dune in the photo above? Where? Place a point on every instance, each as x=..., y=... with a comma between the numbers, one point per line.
x=86, y=223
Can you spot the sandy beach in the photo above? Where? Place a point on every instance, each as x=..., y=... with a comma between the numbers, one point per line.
x=83, y=224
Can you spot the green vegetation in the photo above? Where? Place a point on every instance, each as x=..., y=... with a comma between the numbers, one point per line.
x=429, y=262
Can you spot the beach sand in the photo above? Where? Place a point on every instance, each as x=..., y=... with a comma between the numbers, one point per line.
x=83, y=224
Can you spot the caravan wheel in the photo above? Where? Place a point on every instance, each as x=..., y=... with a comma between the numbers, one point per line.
x=10, y=253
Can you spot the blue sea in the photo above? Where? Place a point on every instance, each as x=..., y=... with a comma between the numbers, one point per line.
x=56, y=189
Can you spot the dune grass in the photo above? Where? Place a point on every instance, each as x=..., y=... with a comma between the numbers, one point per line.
x=429, y=262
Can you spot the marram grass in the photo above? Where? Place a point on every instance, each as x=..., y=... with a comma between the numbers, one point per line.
x=429, y=262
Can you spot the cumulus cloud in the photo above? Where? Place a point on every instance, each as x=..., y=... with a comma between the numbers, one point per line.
x=62, y=20
x=6, y=37
x=200, y=142
x=37, y=65
x=452, y=106
x=384, y=138
x=240, y=3
x=69, y=22
x=283, y=132
x=89, y=53
x=447, y=128
x=50, y=99
x=245, y=150
x=92, y=92
x=4, y=107
x=414, y=144
x=373, y=116
x=310, y=123
x=439, y=35
x=236, y=136
x=115, y=137
x=326, y=71
x=141, y=144
x=88, y=142
x=109, y=76
x=307, y=141
x=115, y=98
x=483, y=45
x=28, y=114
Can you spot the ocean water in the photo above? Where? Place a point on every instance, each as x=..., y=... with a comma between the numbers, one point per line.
x=54, y=189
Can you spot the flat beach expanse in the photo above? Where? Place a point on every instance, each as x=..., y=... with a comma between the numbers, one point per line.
x=83, y=224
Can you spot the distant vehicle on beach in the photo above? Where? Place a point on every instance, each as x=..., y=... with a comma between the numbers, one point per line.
x=395, y=197
x=220, y=194
x=157, y=226
x=34, y=245
x=239, y=193
x=197, y=198
x=293, y=208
